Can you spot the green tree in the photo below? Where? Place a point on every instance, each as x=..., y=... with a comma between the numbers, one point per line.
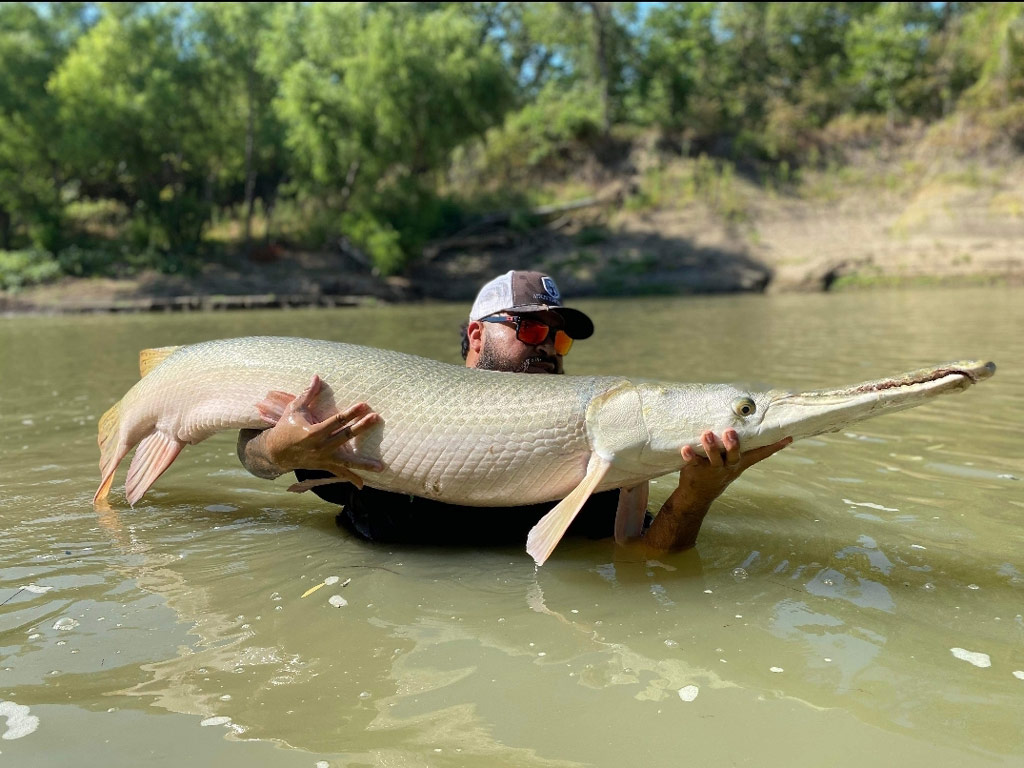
x=34, y=38
x=574, y=66
x=230, y=38
x=994, y=39
x=760, y=78
x=522, y=33
x=374, y=101
x=141, y=121
x=888, y=52
x=782, y=69
x=677, y=82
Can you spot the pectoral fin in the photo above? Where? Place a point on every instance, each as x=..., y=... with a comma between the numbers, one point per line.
x=271, y=408
x=155, y=453
x=629, y=515
x=548, y=531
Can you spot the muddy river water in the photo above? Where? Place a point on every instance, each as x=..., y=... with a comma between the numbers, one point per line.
x=857, y=599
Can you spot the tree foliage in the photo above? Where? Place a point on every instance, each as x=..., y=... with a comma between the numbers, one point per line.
x=173, y=114
x=32, y=148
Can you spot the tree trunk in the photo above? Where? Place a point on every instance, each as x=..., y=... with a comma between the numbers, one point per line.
x=250, y=141
x=350, y=182
x=5, y=230
x=269, y=197
x=601, y=60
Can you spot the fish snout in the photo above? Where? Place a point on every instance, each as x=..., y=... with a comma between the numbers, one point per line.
x=987, y=370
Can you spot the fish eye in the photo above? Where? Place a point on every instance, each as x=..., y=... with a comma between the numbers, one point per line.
x=744, y=406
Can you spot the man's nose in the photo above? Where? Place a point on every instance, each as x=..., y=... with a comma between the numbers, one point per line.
x=548, y=345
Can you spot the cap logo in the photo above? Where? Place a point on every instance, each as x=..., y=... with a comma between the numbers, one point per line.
x=551, y=288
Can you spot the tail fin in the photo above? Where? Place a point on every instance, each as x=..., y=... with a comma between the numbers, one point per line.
x=112, y=449
x=151, y=358
x=148, y=464
x=156, y=452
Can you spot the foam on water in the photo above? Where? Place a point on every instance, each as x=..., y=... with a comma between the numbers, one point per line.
x=688, y=692
x=972, y=657
x=870, y=505
x=19, y=722
x=221, y=720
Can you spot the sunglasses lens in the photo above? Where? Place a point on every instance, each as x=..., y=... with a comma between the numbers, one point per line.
x=532, y=332
x=563, y=342
x=535, y=332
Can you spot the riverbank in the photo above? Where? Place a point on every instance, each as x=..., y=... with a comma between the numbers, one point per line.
x=905, y=217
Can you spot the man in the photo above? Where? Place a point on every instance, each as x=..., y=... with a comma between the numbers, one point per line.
x=517, y=324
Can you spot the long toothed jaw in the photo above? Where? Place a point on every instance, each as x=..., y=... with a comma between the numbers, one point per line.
x=950, y=374
x=808, y=413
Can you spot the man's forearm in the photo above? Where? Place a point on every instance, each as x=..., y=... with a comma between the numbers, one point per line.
x=677, y=524
x=253, y=455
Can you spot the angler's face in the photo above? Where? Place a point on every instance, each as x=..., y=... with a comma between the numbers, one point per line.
x=503, y=351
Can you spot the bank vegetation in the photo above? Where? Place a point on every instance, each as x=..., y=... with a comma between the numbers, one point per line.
x=173, y=136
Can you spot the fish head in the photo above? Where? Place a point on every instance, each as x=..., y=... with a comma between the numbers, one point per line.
x=676, y=415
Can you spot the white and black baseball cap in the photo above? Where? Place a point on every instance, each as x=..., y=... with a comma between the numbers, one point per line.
x=516, y=292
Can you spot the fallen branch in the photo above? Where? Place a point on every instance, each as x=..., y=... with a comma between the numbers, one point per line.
x=470, y=237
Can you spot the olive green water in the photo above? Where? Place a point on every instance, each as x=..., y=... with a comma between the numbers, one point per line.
x=819, y=621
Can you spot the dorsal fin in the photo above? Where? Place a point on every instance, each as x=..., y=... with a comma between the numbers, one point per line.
x=151, y=358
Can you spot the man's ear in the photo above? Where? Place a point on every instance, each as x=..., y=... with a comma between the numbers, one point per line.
x=475, y=332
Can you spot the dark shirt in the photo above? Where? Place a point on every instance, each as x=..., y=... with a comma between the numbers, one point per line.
x=398, y=518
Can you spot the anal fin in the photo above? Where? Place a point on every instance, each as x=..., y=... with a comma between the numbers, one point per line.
x=155, y=453
x=630, y=513
x=548, y=531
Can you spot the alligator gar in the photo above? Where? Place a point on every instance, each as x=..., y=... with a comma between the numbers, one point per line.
x=480, y=438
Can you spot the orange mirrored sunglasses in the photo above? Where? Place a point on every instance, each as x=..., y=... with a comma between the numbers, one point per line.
x=533, y=332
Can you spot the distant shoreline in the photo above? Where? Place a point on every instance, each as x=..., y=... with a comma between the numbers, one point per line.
x=61, y=302
x=191, y=303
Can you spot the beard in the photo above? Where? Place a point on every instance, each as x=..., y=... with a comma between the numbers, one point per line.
x=492, y=360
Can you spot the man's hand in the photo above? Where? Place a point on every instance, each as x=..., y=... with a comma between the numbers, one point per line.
x=301, y=440
x=701, y=481
x=705, y=478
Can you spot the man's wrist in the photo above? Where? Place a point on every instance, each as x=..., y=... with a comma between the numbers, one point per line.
x=253, y=453
x=678, y=522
